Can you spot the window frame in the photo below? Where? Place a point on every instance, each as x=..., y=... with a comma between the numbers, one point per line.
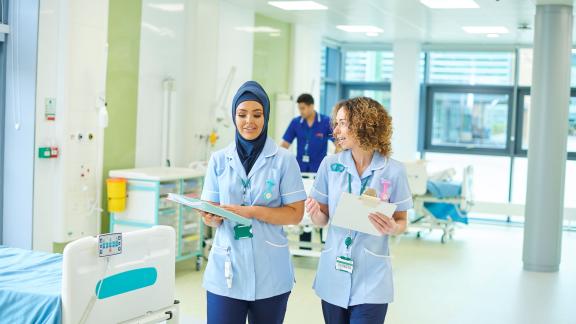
x=521, y=93
x=347, y=87
x=431, y=90
x=334, y=64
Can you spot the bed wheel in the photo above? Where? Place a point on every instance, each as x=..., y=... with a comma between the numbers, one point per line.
x=418, y=234
x=198, y=263
x=444, y=238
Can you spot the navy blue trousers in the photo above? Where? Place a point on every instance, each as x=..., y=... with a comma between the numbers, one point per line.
x=358, y=314
x=225, y=310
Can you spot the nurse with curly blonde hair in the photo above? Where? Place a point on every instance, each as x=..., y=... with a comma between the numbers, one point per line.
x=354, y=277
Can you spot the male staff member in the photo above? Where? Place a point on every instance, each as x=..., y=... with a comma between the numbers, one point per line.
x=312, y=131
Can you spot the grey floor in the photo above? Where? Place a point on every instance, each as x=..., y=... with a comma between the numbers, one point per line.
x=476, y=278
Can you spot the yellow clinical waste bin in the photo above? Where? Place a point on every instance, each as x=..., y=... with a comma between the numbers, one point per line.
x=116, y=194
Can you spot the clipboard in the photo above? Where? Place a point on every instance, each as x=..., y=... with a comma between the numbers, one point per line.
x=352, y=212
x=208, y=207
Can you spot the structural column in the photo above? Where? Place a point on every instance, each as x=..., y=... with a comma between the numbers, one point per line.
x=548, y=135
x=404, y=104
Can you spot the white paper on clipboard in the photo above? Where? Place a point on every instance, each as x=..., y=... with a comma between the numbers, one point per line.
x=352, y=212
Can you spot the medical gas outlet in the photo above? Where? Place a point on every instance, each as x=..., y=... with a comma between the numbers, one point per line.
x=48, y=152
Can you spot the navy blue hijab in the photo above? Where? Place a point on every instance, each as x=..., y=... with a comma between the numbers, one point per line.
x=249, y=150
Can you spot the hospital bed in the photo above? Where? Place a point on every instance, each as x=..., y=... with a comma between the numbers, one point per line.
x=136, y=286
x=306, y=226
x=439, y=203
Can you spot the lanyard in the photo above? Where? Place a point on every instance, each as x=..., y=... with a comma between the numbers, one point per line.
x=308, y=136
x=364, y=183
x=245, y=186
x=309, y=132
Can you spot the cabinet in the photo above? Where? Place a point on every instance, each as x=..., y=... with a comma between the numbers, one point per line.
x=146, y=206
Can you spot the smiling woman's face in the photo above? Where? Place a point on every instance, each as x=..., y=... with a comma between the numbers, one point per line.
x=342, y=134
x=249, y=119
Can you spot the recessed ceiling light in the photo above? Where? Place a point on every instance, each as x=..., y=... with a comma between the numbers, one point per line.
x=492, y=35
x=297, y=5
x=174, y=7
x=258, y=29
x=450, y=4
x=372, y=34
x=485, y=29
x=359, y=29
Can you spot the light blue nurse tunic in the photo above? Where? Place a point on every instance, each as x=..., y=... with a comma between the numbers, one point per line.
x=371, y=278
x=261, y=265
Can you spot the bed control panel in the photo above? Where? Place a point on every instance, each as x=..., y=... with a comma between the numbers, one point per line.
x=109, y=244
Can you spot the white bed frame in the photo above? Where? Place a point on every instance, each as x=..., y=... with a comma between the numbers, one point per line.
x=82, y=269
x=417, y=178
x=307, y=226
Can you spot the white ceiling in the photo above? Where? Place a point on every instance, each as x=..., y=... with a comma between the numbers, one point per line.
x=409, y=19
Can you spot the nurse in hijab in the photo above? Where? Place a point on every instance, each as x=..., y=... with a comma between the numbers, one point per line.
x=249, y=272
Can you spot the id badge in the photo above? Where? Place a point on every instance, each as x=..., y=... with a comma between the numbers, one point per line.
x=344, y=264
x=305, y=158
x=242, y=231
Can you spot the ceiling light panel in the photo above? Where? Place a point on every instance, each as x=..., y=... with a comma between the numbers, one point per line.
x=297, y=5
x=485, y=29
x=258, y=29
x=360, y=29
x=450, y=4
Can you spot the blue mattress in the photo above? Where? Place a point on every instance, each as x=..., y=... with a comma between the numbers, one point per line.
x=444, y=189
x=445, y=211
x=30, y=285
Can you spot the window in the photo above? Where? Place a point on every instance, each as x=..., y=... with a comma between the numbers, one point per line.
x=470, y=120
x=523, y=132
x=525, y=56
x=330, y=73
x=519, y=182
x=368, y=66
x=493, y=188
x=467, y=109
x=380, y=95
x=472, y=68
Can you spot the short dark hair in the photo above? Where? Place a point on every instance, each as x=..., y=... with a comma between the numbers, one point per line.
x=305, y=98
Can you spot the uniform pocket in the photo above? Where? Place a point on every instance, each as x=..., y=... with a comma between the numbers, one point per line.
x=377, y=267
x=278, y=245
x=276, y=265
x=382, y=256
x=219, y=249
x=214, y=273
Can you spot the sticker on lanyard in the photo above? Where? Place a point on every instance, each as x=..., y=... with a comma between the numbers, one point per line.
x=268, y=192
x=385, y=191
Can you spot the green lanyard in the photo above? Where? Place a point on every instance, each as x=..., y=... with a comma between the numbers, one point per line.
x=245, y=186
x=363, y=184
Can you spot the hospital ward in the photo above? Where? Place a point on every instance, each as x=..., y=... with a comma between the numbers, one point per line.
x=297, y=162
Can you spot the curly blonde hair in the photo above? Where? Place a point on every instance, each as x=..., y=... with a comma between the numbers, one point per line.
x=369, y=122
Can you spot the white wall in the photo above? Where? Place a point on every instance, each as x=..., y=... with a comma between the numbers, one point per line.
x=162, y=56
x=306, y=47
x=405, y=100
x=197, y=45
x=236, y=51
x=72, y=57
